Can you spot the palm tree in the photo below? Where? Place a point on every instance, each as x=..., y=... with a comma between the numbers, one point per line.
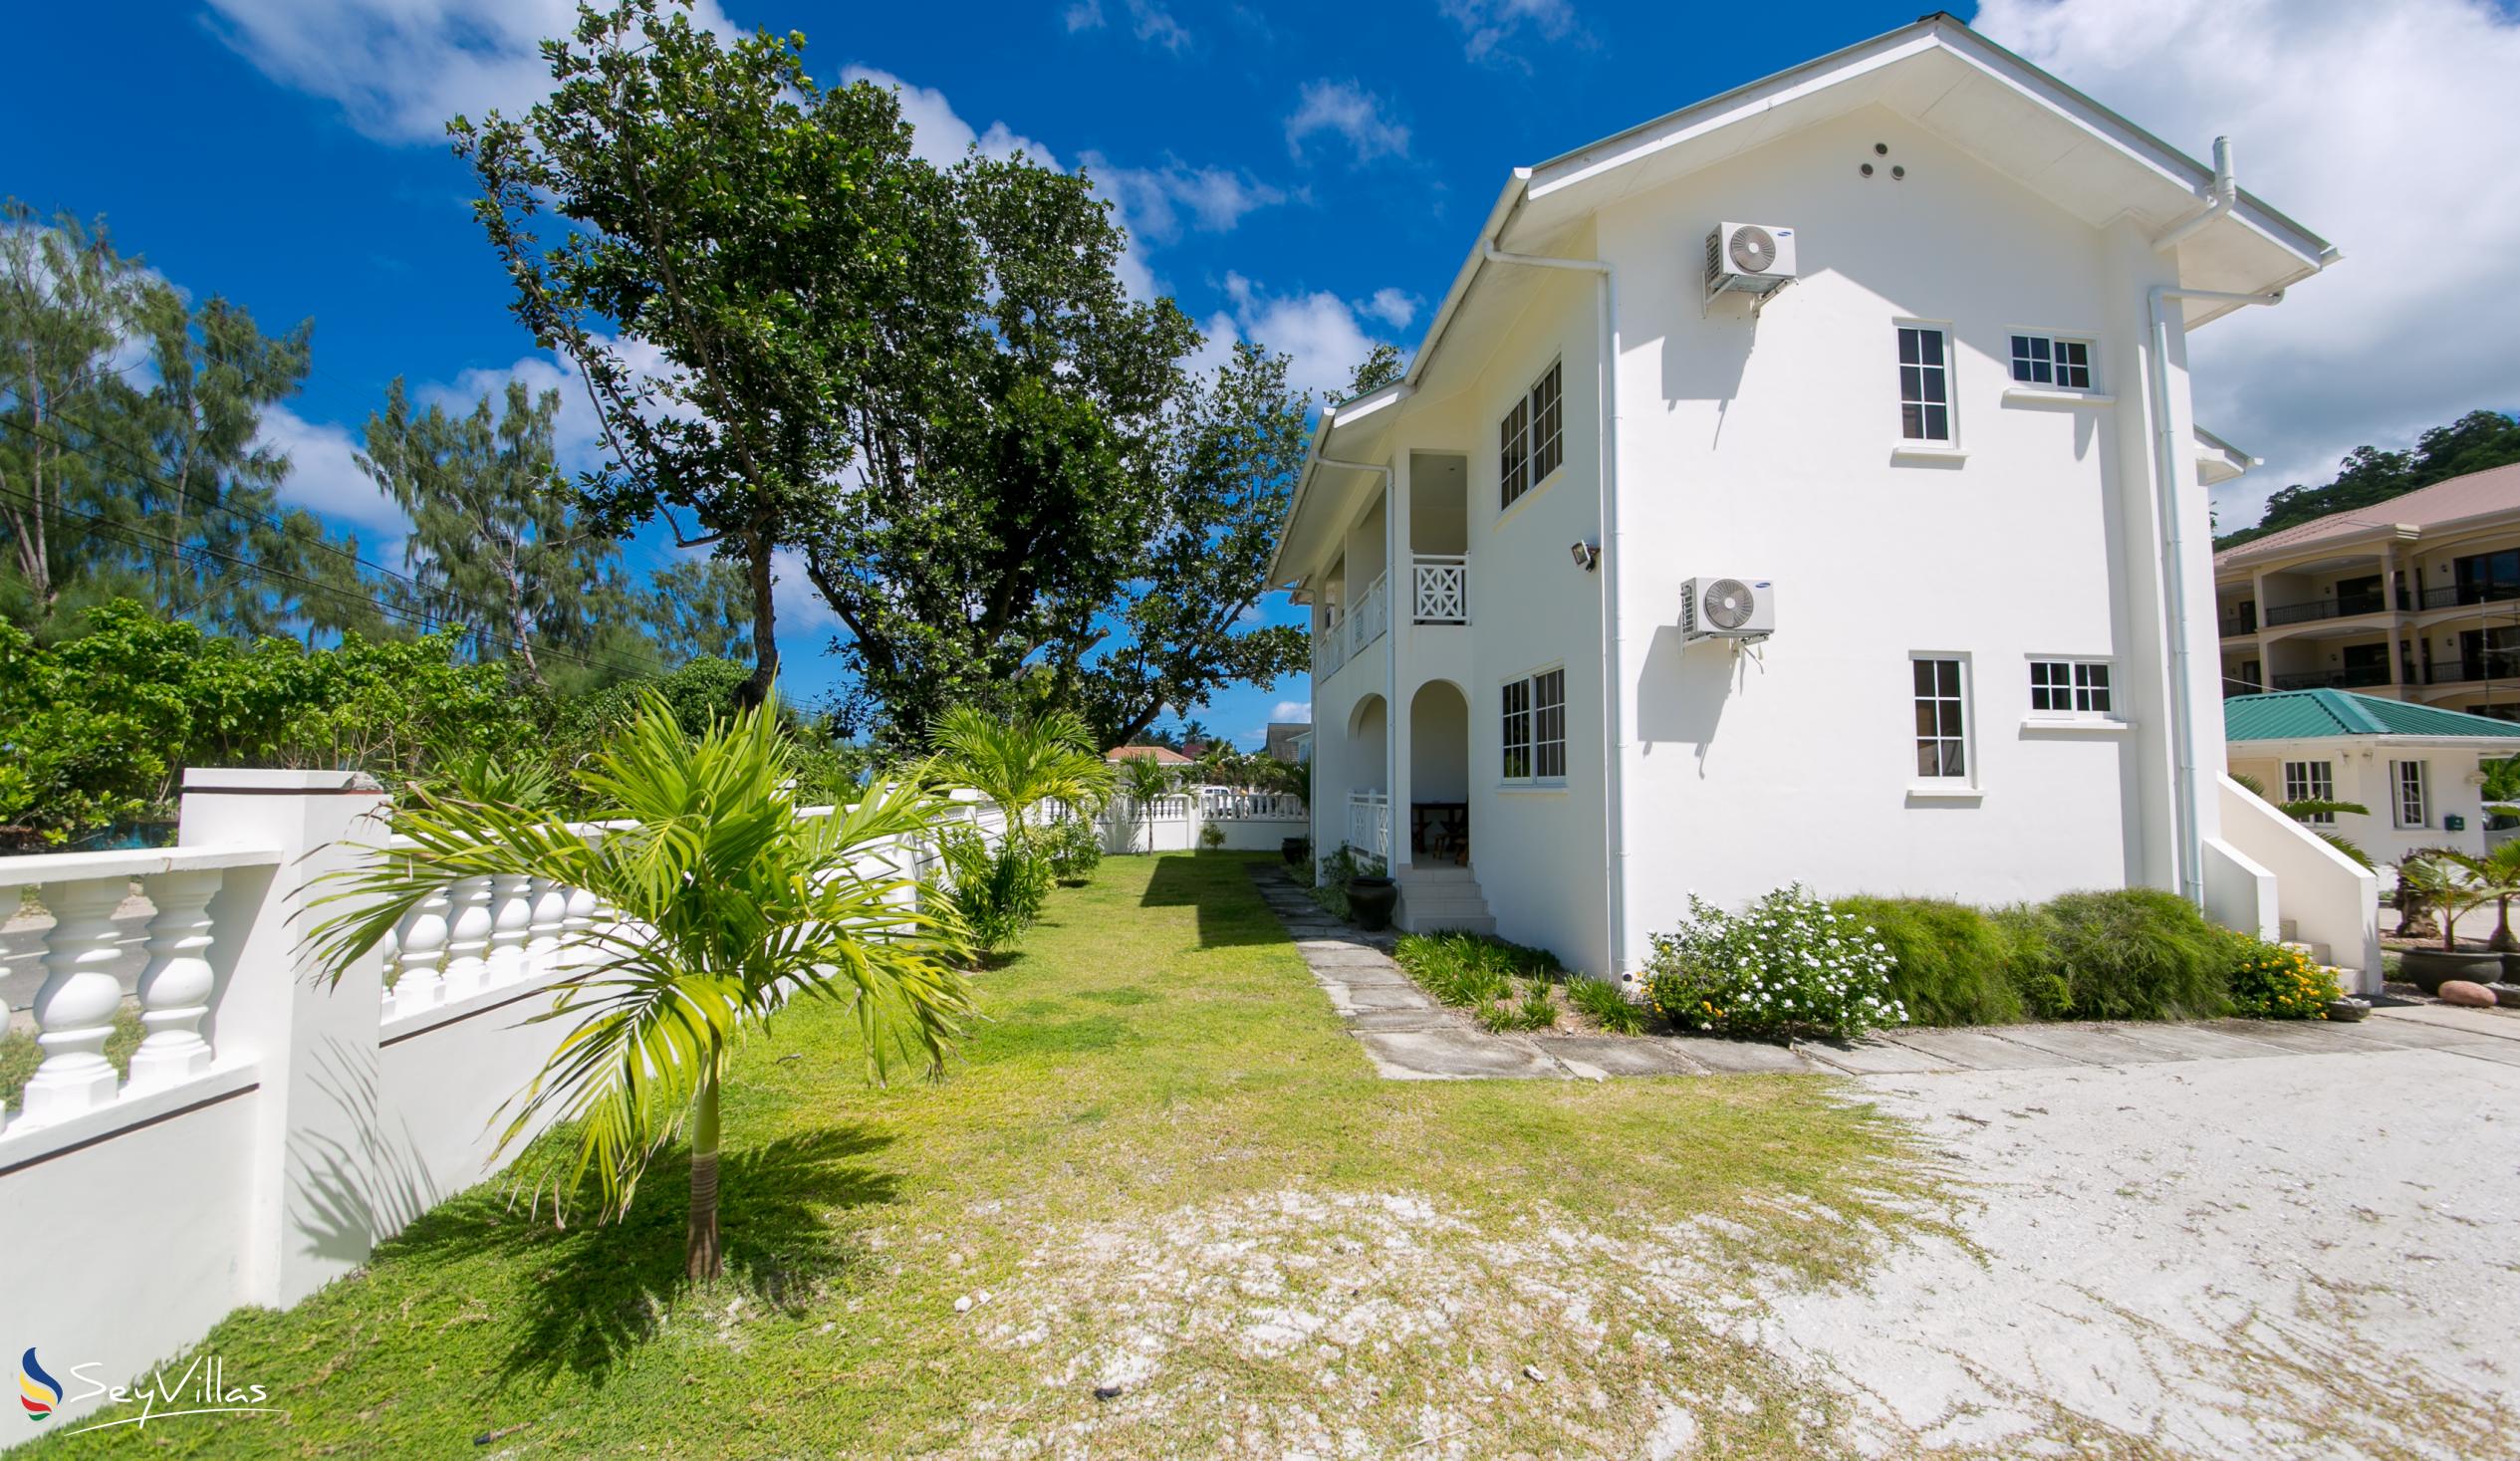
x=1147, y=780
x=724, y=907
x=2452, y=882
x=2304, y=809
x=2501, y=867
x=1021, y=763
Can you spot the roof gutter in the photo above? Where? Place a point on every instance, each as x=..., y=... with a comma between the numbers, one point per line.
x=2220, y=197
x=1614, y=658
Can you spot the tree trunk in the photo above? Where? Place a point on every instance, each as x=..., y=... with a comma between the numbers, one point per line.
x=765, y=640
x=702, y=1258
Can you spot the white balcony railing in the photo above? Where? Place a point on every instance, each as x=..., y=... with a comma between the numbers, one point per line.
x=1370, y=824
x=1442, y=588
x=1373, y=617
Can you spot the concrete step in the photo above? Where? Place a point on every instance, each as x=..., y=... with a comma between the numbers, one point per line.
x=1435, y=873
x=2317, y=952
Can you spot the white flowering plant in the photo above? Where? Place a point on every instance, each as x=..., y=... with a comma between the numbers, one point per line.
x=1786, y=966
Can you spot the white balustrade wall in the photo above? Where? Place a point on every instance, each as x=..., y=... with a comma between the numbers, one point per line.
x=274, y=1127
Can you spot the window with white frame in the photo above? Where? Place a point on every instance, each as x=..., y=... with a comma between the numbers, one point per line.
x=2407, y=778
x=2047, y=360
x=2070, y=687
x=1548, y=725
x=2311, y=780
x=1941, y=693
x=1531, y=440
x=1924, y=385
x=1516, y=764
x=1534, y=738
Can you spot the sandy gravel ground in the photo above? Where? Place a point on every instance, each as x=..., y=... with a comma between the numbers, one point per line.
x=2296, y=1256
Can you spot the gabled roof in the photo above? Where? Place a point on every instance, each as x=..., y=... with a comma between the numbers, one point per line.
x=1943, y=76
x=2300, y=716
x=2443, y=504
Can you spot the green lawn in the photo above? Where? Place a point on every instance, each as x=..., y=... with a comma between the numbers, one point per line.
x=1163, y=1163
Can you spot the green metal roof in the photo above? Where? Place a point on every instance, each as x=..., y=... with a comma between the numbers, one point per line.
x=2292, y=715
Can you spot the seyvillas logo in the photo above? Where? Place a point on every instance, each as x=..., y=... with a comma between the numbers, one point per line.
x=38, y=1391
x=202, y=1388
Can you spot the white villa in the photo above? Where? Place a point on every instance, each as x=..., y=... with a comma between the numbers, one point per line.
x=1886, y=355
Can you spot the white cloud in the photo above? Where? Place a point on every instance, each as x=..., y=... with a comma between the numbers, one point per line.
x=578, y=433
x=2384, y=128
x=801, y=609
x=1488, y=26
x=1393, y=307
x=1152, y=200
x=941, y=135
x=1354, y=114
x=1292, y=710
x=401, y=68
x=1087, y=16
x=1148, y=20
x=324, y=476
x=1317, y=332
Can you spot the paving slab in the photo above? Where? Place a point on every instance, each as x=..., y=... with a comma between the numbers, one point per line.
x=2497, y=1023
x=2405, y=1034
x=1742, y=1056
x=1386, y=1020
x=1326, y=955
x=1872, y=1058
x=2089, y=1045
x=1596, y=1056
x=2195, y=1043
x=1436, y=1054
x=1386, y=972
x=2299, y=1037
x=2500, y=1052
x=1980, y=1050
x=1402, y=996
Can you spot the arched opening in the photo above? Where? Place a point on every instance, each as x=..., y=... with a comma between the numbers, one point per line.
x=1369, y=798
x=1440, y=775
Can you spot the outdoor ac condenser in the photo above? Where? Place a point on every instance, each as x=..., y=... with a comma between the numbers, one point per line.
x=1748, y=257
x=1728, y=609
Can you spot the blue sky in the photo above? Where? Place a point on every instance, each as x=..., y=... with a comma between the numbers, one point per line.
x=1305, y=174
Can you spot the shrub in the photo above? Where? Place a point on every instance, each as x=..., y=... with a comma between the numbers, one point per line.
x=1212, y=836
x=1605, y=1004
x=2135, y=953
x=998, y=893
x=1787, y=966
x=1504, y=985
x=1330, y=883
x=1074, y=845
x=1951, y=964
x=2272, y=982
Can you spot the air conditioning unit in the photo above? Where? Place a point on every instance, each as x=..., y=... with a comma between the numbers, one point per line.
x=1749, y=258
x=1728, y=609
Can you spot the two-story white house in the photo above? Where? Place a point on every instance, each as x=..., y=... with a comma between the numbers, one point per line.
x=1952, y=458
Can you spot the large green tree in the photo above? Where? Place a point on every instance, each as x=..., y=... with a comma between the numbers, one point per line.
x=735, y=248
x=2368, y=476
x=133, y=459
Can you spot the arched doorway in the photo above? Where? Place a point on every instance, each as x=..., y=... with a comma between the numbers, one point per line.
x=1367, y=759
x=1440, y=775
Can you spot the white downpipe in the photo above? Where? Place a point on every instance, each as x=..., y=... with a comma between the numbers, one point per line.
x=2223, y=197
x=1613, y=658
x=1391, y=717
x=2192, y=853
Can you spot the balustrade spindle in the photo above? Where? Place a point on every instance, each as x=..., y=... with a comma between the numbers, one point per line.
x=74, y=1011
x=511, y=925
x=551, y=914
x=582, y=910
x=421, y=948
x=175, y=988
x=469, y=939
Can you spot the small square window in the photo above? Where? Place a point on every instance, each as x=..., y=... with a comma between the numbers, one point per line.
x=2070, y=687
x=1924, y=385
x=2041, y=360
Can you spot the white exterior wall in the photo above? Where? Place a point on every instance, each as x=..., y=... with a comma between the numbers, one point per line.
x=2453, y=785
x=1768, y=449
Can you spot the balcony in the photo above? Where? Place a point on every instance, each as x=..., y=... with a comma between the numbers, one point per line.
x=2457, y=595
x=2238, y=625
x=2342, y=607
x=1370, y=824
x=1442, y=588
x=1345, y=636
x=2356, y=678
x=2500, y=668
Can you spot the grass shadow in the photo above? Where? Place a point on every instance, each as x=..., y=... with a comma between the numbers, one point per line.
x=1218, y=886
x=599, y=1292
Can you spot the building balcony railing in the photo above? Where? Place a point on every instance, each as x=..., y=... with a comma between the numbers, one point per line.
x=1370, y=824
x=1343, y=637
x=2453, y=596
x=1441, y=588
x=2502, y=668
x=2342, y=607
x=2234, y=626
x=2356, y=678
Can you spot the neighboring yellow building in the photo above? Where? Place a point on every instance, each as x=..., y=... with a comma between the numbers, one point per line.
x=2416, y=599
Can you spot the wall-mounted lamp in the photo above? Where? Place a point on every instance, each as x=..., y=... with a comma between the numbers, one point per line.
x=1587, y=556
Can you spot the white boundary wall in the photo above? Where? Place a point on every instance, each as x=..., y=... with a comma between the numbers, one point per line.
x=274, y=1128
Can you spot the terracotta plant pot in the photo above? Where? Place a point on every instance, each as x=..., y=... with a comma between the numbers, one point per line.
x=2429, y=969
x=1371, y=901
x=1295, y=850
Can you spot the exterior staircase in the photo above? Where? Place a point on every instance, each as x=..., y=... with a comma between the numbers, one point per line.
x=1442, y=897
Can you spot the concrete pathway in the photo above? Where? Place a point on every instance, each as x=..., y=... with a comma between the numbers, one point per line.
x=1410, y=1037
